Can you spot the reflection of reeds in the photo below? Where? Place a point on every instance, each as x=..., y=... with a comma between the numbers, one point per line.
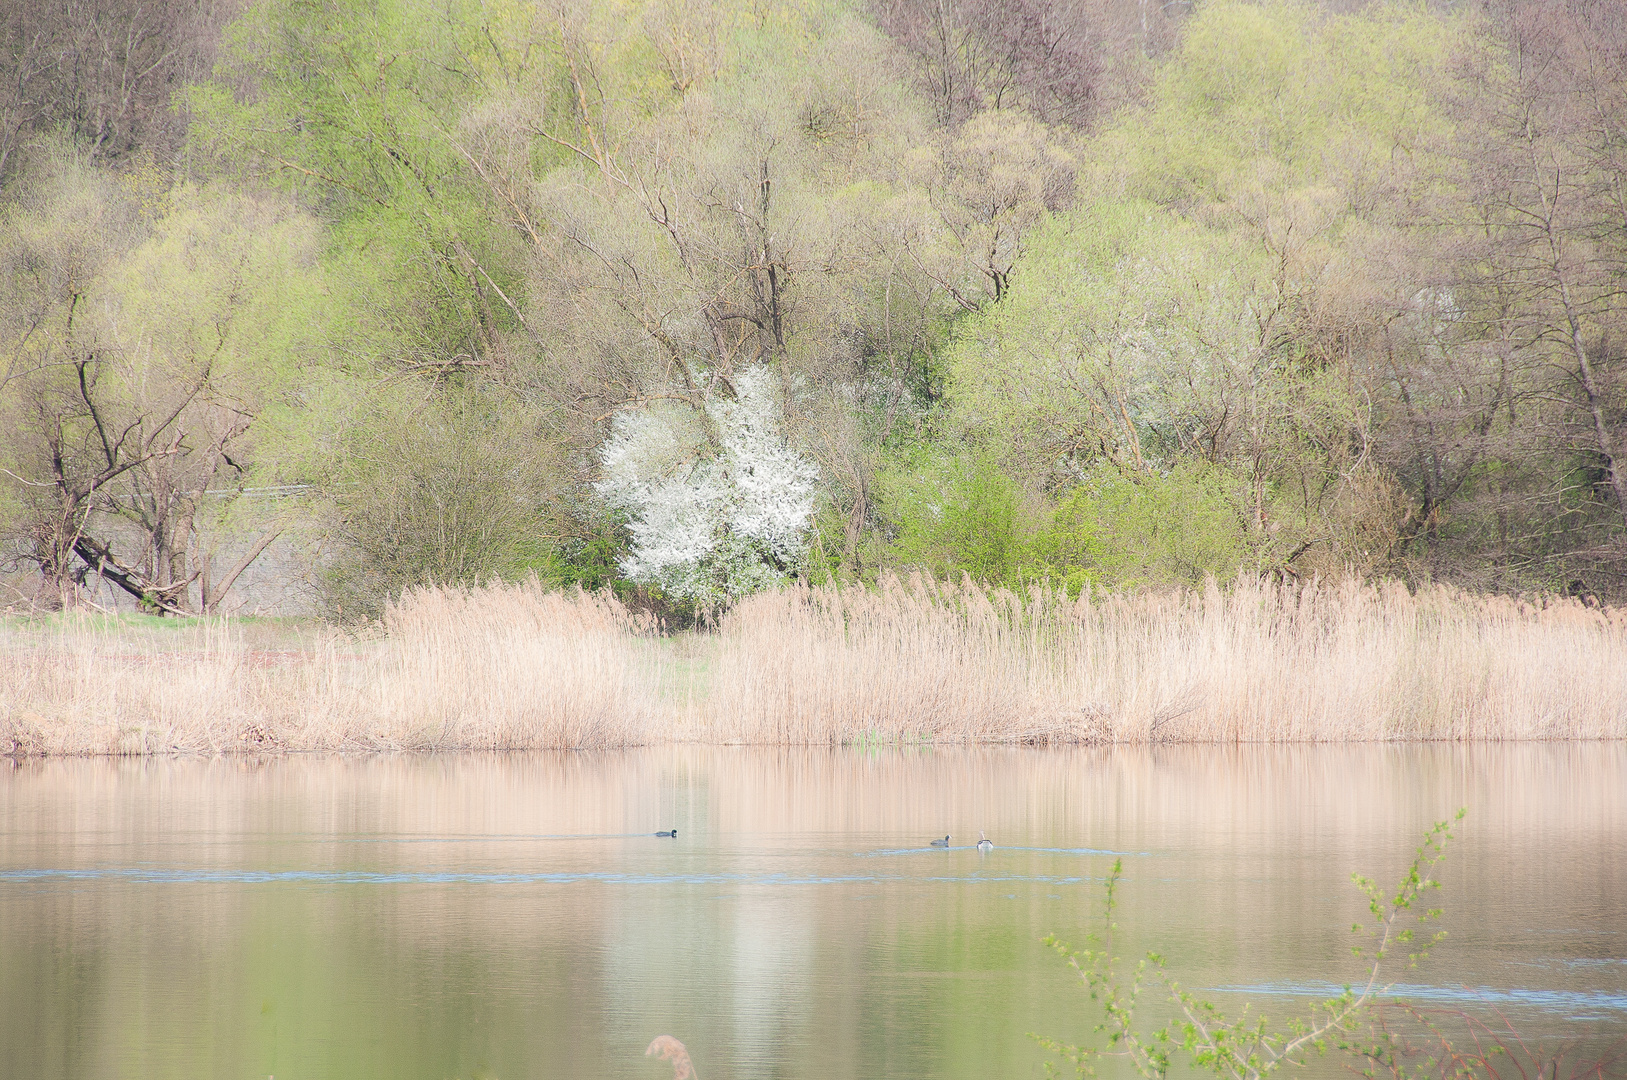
x=517, y=666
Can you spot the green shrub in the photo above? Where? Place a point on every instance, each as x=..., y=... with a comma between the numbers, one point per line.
x=449, y=493
x=1122, y=530
x=1248, y=1047
x=962, y=515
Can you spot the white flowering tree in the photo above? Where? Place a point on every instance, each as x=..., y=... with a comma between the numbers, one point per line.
x=718, y=504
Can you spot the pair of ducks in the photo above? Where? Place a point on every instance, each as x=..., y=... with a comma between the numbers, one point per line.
x=983, y=842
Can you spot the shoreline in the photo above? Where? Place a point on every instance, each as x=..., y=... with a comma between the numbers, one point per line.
x=18, y=759
x=909, y=661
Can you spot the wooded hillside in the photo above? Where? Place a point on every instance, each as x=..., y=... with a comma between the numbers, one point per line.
x=690, y=297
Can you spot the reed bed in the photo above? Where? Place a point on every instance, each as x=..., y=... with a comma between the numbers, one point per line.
x=519, y=667
x=496, y=668
x=1345, y=661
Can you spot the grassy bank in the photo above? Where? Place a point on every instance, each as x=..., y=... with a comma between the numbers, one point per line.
x=519, y=667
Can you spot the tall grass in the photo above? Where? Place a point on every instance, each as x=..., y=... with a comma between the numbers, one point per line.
x=496, y=668
x=1255, y=662
x=521, y=667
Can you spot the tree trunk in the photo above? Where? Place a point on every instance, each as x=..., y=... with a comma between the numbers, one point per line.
x=1590, y=388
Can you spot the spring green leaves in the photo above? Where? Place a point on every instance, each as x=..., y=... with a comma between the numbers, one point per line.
x=1273, y=302
x=1247, y=1047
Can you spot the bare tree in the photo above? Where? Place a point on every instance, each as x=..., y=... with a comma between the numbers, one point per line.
x=1042, y=55
x=1548, y=187
x=103, y=70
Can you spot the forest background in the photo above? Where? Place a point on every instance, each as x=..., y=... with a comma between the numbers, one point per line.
x=306, y=302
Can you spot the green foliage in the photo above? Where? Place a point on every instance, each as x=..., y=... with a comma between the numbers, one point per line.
x=1125, y=531
x=1131, y=333
x=962, y=515
x=1245, y=1047
x=1276, y=312
x=588, y=557
x=1203, y=307
x=1270, y=98
x=356, y=107
x=965, y=515
x=227, y=283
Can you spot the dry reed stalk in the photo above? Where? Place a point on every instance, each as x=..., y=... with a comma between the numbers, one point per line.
x=1341, y=661
x=519, y=667
x=667, y=1048
x=511, y=668
x=499, y=668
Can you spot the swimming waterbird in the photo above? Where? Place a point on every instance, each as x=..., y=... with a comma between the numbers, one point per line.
x=668, y=832
x=941, y=843
x=983, y=843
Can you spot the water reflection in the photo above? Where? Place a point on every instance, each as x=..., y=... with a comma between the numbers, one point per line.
x=515, y=916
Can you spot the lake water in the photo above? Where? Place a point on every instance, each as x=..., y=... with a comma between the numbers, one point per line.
x=513, y=916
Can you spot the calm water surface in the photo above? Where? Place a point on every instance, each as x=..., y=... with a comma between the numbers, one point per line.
x=512, y=916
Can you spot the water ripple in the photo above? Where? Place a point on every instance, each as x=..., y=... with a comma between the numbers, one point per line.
x=153, y=876
x=925, y=850
x=1574, y=1004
